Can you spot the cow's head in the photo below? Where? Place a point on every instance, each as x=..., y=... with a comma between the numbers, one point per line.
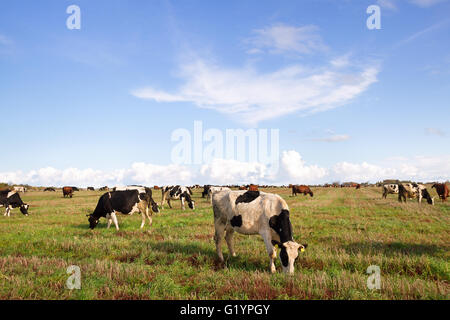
x=92, y=221
x=311, y=193
x=289, y=253
x=154, y=205
x=24, y=209
x=191, y=203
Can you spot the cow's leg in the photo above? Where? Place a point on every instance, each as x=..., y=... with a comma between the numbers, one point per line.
x=108, y=217
x=168, y=202
x=163, y=198
x=114, y=219
x=270, y=250
x=182, y=203
x=220, y=229
x=229, y=239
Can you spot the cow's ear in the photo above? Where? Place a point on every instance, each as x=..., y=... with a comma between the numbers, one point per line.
x=273, y=222
x=277, y=243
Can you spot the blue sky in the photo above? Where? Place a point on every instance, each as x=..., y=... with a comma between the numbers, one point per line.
x=98, y=105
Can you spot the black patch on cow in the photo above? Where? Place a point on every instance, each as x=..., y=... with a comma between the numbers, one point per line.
x=175, y=191
x=236, y=221
x=282, y=226
x=427, y=196
x=247, y=197
x=284, y=256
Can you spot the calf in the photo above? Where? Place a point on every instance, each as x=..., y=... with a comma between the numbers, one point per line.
x=301, y=189
x=442, y=190
x=49, y=189
x=177, y=193
x=126, y=202
x=11, y=199
x=254, y=212
x=389, y=188
x=67, y=192
x=414, y=190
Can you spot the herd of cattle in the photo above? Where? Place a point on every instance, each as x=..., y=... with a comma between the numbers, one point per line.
x=246, y=211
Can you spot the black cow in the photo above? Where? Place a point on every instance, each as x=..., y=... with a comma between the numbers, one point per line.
x=10, y=199
x=205, y=190
x=90, y=189
x=126, y=202
x=50, y=189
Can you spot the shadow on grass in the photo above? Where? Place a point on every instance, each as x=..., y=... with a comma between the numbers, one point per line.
x=191, y=249
x=393, y=248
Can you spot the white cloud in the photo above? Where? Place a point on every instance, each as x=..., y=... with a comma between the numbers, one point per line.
x=426, y=3
x=251, y=97
x=388, y=4
x=435, y=131
x=333, y=138
x=292, y=169
x=282, y=38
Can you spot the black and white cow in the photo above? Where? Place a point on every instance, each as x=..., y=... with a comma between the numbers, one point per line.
x=389, y=188
x=414, y=190
x=214, y=189
x=125, y=202
x=177, y=193
x=255, y=212
x=11, y=199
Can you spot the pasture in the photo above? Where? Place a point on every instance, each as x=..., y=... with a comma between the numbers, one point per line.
x=347, y=230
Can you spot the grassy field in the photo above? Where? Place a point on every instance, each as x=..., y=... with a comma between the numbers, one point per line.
x=347, y=230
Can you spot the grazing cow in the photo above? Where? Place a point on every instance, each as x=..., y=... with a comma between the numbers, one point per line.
x=214, y=189
x=125, y=202
x=11, y=199
x=358, y=186
x=301, y=189
x=255, y=212
x=442, y=190
x=49, y=189
x=90, y=189
x=20, y=189
x=414, y=190
x=205, y=190
x=177, y=193
x=105, y=188
x=389, y=188
x=67, y=192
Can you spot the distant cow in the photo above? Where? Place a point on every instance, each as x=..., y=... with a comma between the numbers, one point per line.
x=67, y=192
x=90, y=189
x=205, y=190
x=254, y=212
x=414, y=190
x=11, y=199
x=301, y=189
x=105, y=188
x=389, y=188
x=177, y=193
x=156, y=188
x=126, y=202
x=358, y=186
x=50, y=189
x=214, y=189
x=442, y=190
x=20, y=189
x=252, y=187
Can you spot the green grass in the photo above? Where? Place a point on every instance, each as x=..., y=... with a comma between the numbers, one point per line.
x=347, y=230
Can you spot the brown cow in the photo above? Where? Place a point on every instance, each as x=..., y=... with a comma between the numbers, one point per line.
x=301, y=189
x=253, y=187
x=358, y=186
x=67, y=191
x=242, y=188
x=442, y=190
